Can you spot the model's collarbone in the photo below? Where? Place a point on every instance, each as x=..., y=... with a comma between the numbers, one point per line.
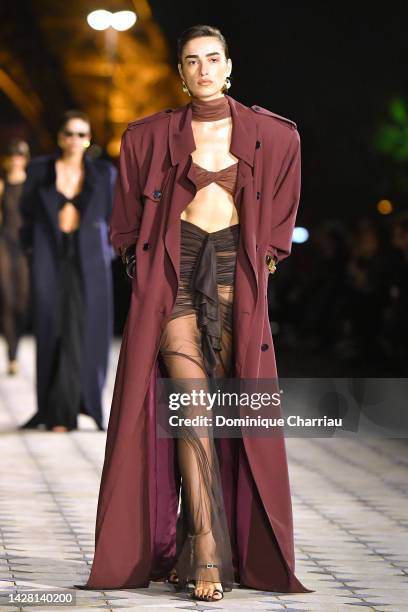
x=212, y=150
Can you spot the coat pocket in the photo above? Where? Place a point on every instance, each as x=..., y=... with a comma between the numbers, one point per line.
x=156, y=184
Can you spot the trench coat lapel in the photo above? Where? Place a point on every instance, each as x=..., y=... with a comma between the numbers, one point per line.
x=48, y=191
x=243, y=138
x=243, y=146
x=181, y=146
x=47, y=194
x=90, y=180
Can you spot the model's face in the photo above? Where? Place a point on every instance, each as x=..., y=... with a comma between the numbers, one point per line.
x=75, y=136
x=15, y=163
x=204, y=67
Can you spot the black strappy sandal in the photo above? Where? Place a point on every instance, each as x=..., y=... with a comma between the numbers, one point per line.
x=206, y=597
x=173, y=579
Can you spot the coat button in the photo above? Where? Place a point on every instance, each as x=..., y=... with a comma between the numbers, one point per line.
x=146, y=246
x=157, y=194
x=258, y=144
x=258, y=195
x=264, y=347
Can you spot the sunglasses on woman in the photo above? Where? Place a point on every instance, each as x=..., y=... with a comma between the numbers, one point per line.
x=70, y=134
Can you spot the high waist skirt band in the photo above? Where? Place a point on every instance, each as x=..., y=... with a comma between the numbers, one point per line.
x=207, y=269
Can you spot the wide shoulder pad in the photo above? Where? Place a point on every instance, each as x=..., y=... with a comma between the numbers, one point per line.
x=149, y=118
x=265, y=111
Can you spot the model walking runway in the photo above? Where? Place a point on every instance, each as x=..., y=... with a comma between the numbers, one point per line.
x=205, y=203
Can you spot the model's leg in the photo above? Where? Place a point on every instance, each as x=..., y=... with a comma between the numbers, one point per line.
x=22, y=284
x=202, y=527
x=7, y=301
x=65, y=392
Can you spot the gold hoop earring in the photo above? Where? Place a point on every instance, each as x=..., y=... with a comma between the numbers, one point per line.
x=87, y=143
x=185, y=88
x=226, y=85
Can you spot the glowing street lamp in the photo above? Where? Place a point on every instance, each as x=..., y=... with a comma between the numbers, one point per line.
x=119, y=21
x=300, y=235
x=99, y=20
x=384, y=207
x=123, y=20
x=112, y=23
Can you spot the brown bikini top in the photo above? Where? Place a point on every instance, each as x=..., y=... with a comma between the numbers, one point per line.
x=213, y=110
x=226, y=177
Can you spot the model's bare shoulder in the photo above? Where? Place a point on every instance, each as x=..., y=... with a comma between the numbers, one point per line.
x=150, y=118
x=264, y=111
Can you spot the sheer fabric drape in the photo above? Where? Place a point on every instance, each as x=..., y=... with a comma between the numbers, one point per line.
x=14, y=274
x=197, y=348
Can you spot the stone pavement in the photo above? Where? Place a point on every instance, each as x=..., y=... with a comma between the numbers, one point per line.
x=349, y=502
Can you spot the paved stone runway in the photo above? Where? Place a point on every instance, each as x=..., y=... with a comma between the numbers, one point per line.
x=350, y=502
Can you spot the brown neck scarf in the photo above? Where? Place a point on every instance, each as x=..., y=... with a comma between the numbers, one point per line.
x=210, y=110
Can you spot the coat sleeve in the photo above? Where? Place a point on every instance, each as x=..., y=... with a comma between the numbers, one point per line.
x=28, y=207
x=127, y=205
x=286, y=201
x=113, y=173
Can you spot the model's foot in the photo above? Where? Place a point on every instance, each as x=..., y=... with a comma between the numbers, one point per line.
x=12, y=369
x=207, y=586
x=208, y=591
x=173, y=577
x=59, y=428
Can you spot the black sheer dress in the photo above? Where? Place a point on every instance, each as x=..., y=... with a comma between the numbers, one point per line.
x=14, y=277
x=64, y=395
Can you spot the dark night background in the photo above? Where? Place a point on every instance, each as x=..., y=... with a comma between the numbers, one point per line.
x=333, y=68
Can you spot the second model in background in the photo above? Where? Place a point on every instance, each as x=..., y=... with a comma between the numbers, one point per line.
x=14, y=281
x=66, y=209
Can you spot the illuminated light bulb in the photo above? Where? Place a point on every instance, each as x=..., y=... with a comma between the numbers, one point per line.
x=123, y=20
x=300, y=234
x=100, y=20
x=384, y=207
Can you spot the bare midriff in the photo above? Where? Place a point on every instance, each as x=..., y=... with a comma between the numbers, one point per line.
x=69, y=181
x=69, y=218
x=213, y=207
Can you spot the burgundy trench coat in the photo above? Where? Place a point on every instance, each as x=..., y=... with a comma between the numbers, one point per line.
x=138, y=499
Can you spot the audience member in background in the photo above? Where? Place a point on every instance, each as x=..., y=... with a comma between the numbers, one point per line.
x=324, y=293
x=397, y=319
x=368, y=281
x=66, y=209
x=14, y=278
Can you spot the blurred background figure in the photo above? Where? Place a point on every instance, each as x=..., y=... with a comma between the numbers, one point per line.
x=324, y=292
x=367, y=287
x=66, y=208
x=396, y=335
x=14, y=279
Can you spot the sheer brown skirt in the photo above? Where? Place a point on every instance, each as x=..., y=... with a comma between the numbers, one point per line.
x=197, y=348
